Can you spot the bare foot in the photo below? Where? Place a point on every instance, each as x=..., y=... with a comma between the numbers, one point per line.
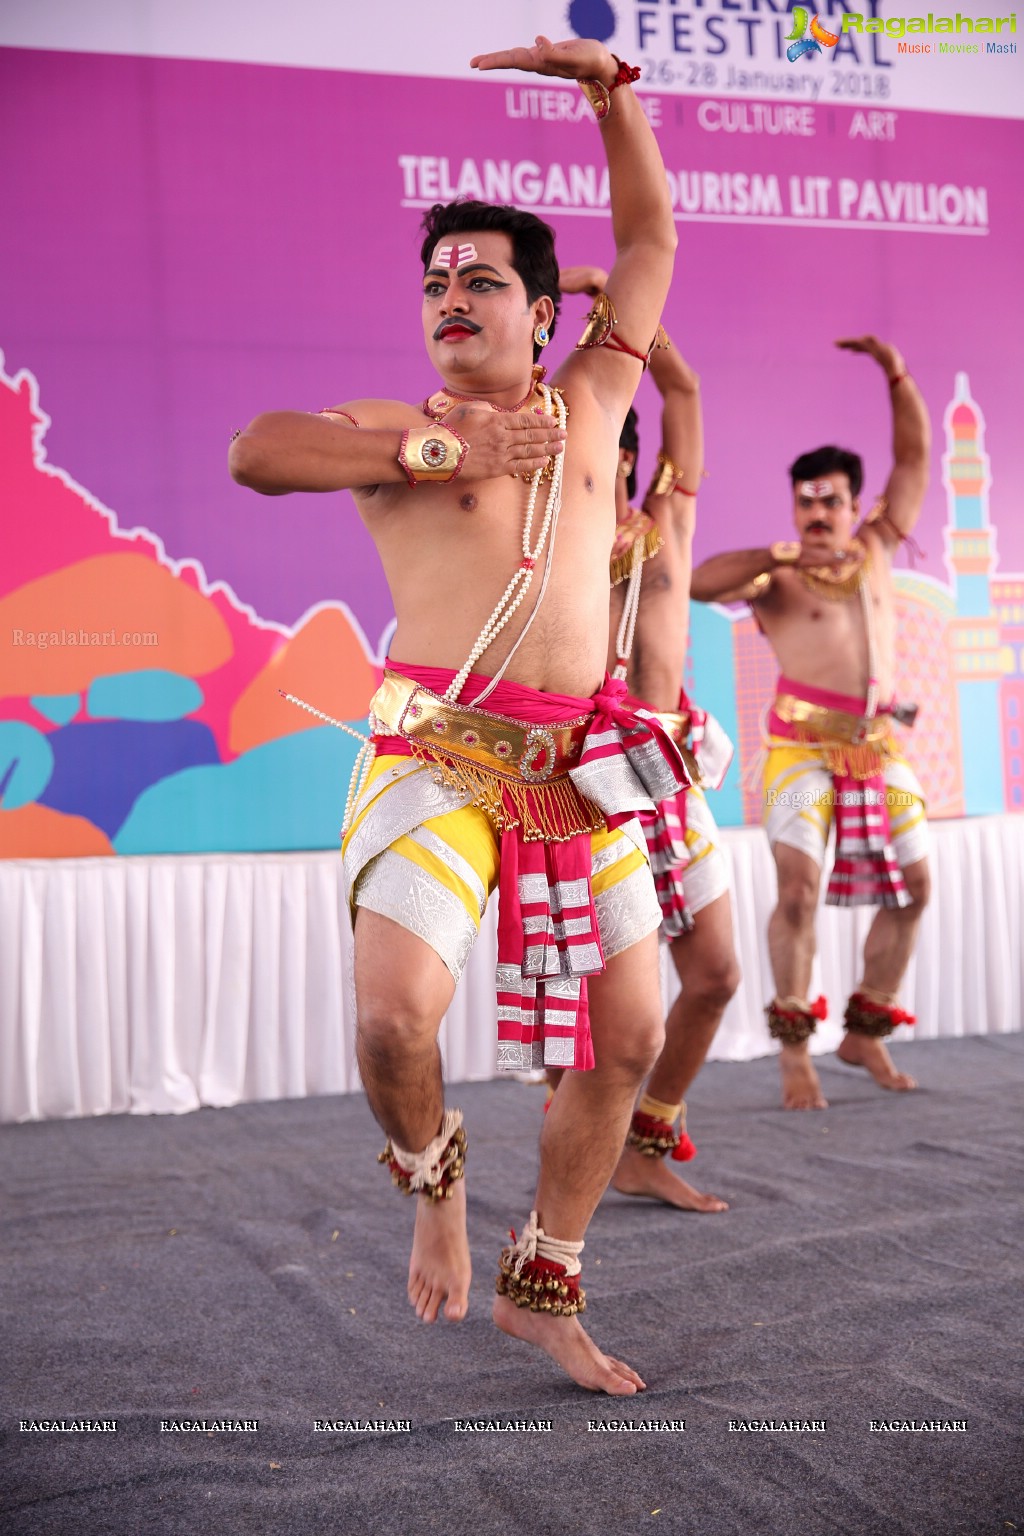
x=564, y=1340
x=867, y=1051
x=800, y=1086
x=439, y=1265
x=639, y=1175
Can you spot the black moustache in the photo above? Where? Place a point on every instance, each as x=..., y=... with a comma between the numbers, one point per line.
x=814, y=527
x=448, y=325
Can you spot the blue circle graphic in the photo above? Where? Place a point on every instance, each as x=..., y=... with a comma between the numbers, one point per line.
x=592, y=18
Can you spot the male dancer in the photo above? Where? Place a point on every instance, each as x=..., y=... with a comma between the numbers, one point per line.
x=527, y=783
x=691, y=871
x=825, y=604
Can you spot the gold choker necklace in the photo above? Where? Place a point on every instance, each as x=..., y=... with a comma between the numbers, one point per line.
x=441, y=401
x=437, y=406
x=838, y=581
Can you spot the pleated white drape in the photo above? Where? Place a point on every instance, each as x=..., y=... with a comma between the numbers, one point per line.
x=159, y=985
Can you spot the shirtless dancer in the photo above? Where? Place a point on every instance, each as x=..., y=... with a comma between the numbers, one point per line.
x=692, y=872
x=825, y=605
x=427, y=830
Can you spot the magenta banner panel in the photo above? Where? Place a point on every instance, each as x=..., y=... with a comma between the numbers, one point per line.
x=188, y=241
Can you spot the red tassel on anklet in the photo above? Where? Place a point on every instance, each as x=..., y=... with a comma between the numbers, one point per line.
x=650, y=1136
x=866, y=1017
x=684, y=1150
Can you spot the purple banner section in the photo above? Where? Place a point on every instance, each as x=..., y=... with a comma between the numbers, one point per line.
x=194, y=242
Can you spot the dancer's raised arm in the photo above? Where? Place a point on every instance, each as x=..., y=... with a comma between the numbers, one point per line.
x=619, y=339
x=911, y=441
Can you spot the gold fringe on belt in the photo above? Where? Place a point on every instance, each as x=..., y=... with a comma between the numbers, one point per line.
x=848, y=759
x=516, y=772
x=554, y=812
x=850, y=745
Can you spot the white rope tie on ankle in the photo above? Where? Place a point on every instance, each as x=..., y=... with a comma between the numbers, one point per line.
x=427, y=1168
x=792, y=1004
x=534, y=1243
x=883, y=999
x=659, y=1110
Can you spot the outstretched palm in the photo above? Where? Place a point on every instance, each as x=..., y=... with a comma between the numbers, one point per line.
x=580, y=58
x=884, y=354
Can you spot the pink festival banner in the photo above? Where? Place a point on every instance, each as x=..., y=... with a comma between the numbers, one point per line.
x=203, y=219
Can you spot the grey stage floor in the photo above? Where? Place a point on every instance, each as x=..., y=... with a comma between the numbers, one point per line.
x=249, y=1263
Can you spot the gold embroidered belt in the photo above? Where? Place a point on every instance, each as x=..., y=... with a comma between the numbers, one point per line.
x=833, y=724
x=509, y=749
x=854, y=745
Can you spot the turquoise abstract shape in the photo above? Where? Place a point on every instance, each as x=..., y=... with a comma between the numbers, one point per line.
x=795, y=50
x=149, y=694
x=26, y=763
x=285, y=794
x=58, y=707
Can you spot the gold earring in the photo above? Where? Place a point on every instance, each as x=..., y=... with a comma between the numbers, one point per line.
x=625, y=469
x=541, y=336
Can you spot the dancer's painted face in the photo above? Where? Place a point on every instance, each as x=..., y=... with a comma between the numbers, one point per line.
x=825, y=510
x=475, y=311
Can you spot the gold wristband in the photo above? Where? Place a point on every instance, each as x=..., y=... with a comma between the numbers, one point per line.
x=432, y=453
x=600, y=96
x=785, y=551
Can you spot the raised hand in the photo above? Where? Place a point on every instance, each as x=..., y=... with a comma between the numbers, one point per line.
x=885, y=355
x=504, y=442
x=581, y=58
x=590, y=280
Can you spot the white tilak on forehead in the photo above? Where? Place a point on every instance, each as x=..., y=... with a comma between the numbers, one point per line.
x=817, y=490
x=455, y=255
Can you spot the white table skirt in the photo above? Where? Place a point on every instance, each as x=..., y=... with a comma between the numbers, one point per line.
x=156, y=985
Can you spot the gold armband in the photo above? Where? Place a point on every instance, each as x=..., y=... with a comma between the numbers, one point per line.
x=601, y=318
x=599, y=331
x=432, y=453
x=666, y=478
x=785, y=551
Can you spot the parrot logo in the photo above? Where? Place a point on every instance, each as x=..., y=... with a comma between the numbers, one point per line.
x=799, y=43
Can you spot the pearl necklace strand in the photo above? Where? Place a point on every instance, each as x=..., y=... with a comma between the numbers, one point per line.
x=630, y=609
x=505, y=607
x=522, y=578
x=364, y=757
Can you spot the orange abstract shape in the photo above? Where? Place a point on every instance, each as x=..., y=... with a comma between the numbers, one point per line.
x=323, y=663
x=38, y=832
x=110, y=613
